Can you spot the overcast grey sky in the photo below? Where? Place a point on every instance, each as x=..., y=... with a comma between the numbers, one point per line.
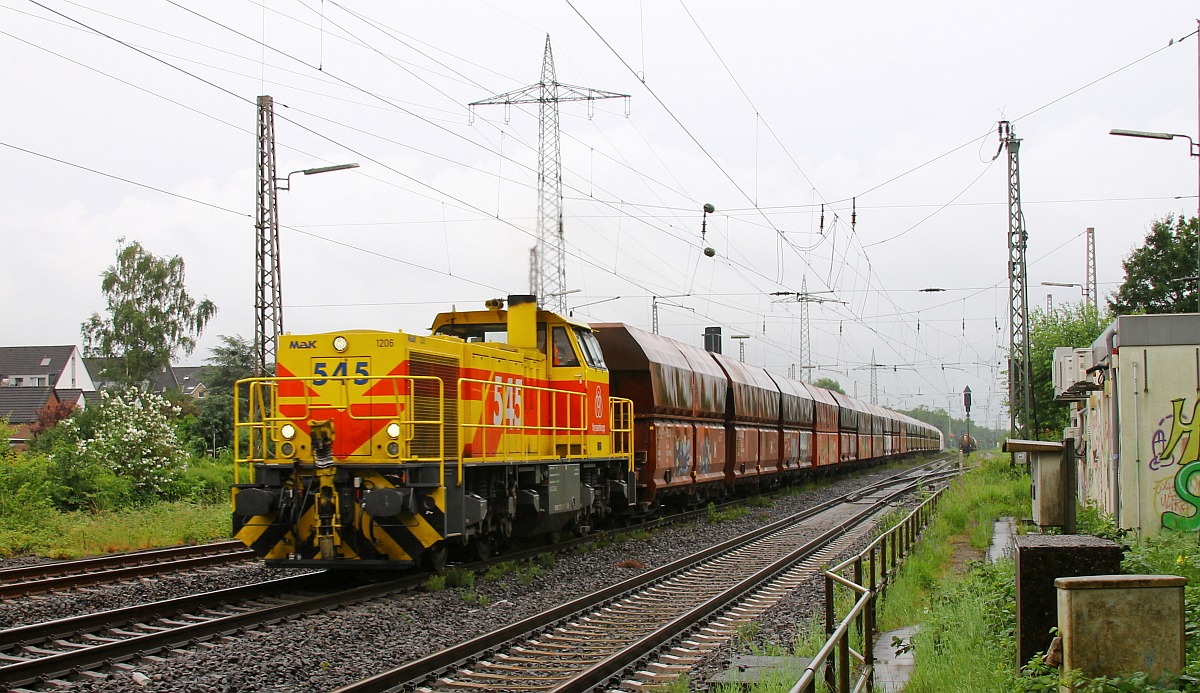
x=765, y=110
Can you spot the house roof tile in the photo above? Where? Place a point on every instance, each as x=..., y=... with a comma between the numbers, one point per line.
x=35, y=360
x=22, y=404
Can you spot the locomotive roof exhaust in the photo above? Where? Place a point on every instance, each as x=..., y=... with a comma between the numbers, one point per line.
x=522, y=321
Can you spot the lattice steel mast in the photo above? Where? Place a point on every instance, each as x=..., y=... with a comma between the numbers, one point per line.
x=548, y=272
x=805, y=334
x=1020, y=385
x=804, y=298
x=268, y=296
x=874, y=379
x=1089, y=281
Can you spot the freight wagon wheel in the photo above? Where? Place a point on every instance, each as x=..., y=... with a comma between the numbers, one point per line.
x=435, y=558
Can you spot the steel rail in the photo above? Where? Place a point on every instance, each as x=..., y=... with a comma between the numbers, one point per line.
x=58, y=664
x=48, y=577
x=36, y=633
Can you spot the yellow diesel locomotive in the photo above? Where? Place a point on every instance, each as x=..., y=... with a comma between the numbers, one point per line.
x=387, y=449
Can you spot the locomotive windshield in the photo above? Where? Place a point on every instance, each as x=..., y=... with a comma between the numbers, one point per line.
x=591, y=348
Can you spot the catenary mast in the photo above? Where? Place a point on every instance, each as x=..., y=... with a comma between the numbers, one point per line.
x=268, y=297
x=1020, y=386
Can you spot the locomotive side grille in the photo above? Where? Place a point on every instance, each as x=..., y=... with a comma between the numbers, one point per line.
x=425, y=403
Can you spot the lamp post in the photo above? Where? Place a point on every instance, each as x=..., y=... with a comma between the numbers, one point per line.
x=1194, y=150
x=1082, y=290
x=268, y=300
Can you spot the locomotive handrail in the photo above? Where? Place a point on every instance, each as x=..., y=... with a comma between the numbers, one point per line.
x=264, y=427
x=511, y=397
x=620, y=416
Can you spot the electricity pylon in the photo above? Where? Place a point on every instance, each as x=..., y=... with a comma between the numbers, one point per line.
x=548, y=271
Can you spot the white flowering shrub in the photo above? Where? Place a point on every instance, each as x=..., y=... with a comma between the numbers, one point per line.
x=132, y=436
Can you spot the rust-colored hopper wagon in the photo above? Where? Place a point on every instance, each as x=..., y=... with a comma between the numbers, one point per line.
x=678, y=395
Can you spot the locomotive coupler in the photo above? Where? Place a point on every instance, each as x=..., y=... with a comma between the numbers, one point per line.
x=326, y=512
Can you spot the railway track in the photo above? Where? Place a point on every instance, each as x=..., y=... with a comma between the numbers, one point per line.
x=42, y=652
x=589, y=643
x=60, y=575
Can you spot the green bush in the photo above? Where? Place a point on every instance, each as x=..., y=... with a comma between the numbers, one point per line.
x=499, y=570
x=128, y=434
x=458, y=577
x=203, y=480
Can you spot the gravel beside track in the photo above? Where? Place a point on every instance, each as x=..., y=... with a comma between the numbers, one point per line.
x=326, y=650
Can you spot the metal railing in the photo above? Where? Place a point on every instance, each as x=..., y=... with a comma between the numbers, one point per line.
x=530, y=422
x=418, y=404
x=879, y=562
x=268, y=410
x=620, y=416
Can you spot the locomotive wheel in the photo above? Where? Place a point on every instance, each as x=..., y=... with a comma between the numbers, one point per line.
x=435, y=558
x=482, y=547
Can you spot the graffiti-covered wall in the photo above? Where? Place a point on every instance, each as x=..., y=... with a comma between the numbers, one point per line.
x=1141, y=461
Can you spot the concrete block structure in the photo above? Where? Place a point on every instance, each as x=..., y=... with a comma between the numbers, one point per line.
x=1112, y=625
x=1136, y=417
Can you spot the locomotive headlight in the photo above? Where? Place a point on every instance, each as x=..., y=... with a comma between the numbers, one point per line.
x=287, y=449
x=393, y=448
x=288, y=431
x=340, y=343
x=393, y=430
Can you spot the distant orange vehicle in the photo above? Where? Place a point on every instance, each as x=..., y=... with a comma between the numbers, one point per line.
x=967, y=444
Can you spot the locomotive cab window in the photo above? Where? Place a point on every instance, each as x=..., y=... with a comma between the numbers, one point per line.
x=477, y=333
x=591, y=348
x=564, y=352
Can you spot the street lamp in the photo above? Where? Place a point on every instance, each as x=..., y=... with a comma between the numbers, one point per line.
x=1082, y=289
x=1194, y=150
x=287, y=182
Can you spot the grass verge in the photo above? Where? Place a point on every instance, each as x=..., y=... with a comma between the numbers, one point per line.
x=960, y=532
x=47, y=532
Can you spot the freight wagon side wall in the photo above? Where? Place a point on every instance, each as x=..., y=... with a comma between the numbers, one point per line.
x=678, y=402
x=752, y=420
x=825, y=437
x=797, y=413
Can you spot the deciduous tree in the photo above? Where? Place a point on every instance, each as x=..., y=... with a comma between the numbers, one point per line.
x=1066, y=325
x=231, y=360
x=49, y=416
x=1155, y=273
x=151, y=317
x=829, y=384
